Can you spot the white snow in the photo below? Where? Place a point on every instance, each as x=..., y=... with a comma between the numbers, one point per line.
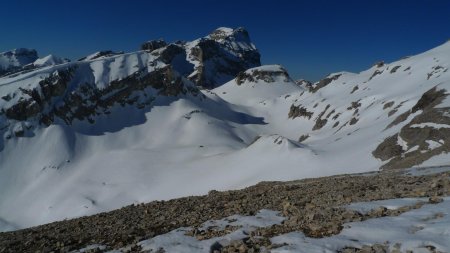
x=420, y=171
x=434, y=144
x=225, y=30
x=430, y=124
x=438, y=160
x=177, y=241
x=416, y=147
x=251, y=93
x=402, y=143
x=90, y=248
x=49, y=60
x=392, y=204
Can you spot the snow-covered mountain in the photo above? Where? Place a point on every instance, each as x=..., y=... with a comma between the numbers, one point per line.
x=25, y=60
x=113, y=128
x=14, y=60
x=49, y=60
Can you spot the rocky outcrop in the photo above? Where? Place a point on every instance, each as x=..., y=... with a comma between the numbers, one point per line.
x=170, y=52
x=153, y=45
x=122, y=92
x=268, y=74
x=299, y=111
x=321, y=122
x=324, y=82
x=39, y=97
x=426, y=135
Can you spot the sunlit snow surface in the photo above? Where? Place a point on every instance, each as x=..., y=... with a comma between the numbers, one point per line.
x=236, y=136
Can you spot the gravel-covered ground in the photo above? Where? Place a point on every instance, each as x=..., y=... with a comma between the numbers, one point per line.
x=312, y=206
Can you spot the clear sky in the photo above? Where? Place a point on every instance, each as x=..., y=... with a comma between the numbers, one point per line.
x=310, y=38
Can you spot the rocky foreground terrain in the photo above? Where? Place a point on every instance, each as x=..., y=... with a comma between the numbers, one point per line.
x=315, y=207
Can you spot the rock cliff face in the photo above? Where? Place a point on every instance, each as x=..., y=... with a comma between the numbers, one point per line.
x=87, y=101
x=65, y=93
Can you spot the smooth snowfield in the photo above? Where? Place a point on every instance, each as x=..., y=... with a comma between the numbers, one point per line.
x=236, y=136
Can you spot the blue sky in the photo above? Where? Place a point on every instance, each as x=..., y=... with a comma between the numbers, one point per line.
x=310, y=38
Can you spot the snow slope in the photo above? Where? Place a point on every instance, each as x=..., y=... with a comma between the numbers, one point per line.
x=136, y=139
x=49, y=60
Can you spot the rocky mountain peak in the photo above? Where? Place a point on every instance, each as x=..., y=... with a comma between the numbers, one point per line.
x=221, y=55
x=209, y=61
x=153, y=45
x=235, y=39
x=223, y=33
